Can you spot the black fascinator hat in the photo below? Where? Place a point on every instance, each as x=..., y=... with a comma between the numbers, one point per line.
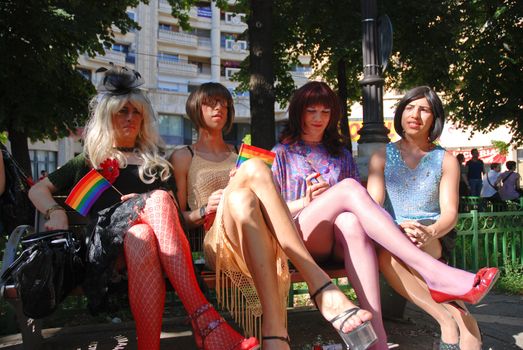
x=119, y=80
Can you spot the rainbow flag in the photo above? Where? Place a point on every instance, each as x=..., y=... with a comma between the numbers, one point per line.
x=247, y=152
x=87, y=191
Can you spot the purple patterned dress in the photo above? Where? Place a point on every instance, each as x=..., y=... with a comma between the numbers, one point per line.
x=294, y=162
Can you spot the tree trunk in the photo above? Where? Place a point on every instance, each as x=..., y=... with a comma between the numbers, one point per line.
x=20, y=150
x=261, y=84
x=342, y=96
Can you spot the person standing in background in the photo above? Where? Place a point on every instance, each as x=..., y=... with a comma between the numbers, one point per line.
x=464, y=186
x=508, y=183
x=489, y=191
x=475, y=170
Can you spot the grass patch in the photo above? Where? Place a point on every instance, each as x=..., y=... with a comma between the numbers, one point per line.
x=511, y=279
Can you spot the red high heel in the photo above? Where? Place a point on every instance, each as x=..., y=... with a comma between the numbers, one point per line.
x=484, y=281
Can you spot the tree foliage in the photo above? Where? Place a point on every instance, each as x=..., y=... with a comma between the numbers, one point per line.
x=490, y=70
x=42, y=96
x=468, y=50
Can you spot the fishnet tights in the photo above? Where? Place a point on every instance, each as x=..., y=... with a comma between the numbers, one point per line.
x=156, y=244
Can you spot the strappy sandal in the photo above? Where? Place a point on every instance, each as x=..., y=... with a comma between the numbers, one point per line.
x=361, y=337
x=200, y=334
x=275, y=337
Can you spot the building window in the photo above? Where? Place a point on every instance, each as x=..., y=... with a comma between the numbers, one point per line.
x=131, y=15
x=42, y=160
x=86, y=73
x=176, y=130
x=204, y=12
x=168, y=86
x=167, y=27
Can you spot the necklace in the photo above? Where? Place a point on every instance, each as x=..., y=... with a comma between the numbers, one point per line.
x=125, y=149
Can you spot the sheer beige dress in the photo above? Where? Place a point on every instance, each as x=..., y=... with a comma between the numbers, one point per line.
x=234, y=285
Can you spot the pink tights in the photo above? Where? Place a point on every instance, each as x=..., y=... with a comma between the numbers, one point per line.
x=345, y=221
x=155, y=245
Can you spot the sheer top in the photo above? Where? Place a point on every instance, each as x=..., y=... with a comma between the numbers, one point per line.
x=205, y=177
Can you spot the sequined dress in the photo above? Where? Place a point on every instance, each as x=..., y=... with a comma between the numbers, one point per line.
x=234, y=285
x=295, y=161
x=413, y=194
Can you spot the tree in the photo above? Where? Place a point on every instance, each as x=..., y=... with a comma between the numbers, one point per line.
x=42, y=96
x=490, y=69
x=468, y=50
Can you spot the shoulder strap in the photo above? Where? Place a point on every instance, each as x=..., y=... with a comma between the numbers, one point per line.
x=507, y=176
x=236, y=149
x=491, y=185
x=191, y=151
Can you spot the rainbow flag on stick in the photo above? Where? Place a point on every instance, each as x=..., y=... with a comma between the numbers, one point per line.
x=87, y=191
x=247, y=152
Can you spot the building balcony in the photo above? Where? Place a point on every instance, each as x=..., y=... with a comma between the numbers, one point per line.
x=183, y=39
x=204, y=42
x=177, y=68
x=164, y=6
x=115, y=57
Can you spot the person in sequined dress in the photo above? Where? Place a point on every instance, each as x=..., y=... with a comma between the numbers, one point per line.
x=338, y=219
x=417, y=182
x=252, y=234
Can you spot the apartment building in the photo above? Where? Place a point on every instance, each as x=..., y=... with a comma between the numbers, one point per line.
x=173, y=63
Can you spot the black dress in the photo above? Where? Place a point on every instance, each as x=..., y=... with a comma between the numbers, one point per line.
x=109, y=221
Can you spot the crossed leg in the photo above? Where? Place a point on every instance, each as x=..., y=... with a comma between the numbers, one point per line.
x=257, y=214
x=349, y=196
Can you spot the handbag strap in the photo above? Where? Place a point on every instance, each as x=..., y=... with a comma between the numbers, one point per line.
x=491, y=185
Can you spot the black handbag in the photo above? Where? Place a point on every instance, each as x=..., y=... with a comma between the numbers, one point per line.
x=48, y=268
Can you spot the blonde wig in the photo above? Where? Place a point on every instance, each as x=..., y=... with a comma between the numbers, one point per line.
x=99, y=135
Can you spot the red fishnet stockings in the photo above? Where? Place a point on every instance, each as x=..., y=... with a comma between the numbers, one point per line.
x=157, y=244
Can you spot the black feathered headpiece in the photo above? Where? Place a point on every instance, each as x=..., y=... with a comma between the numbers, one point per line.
x=119, y=80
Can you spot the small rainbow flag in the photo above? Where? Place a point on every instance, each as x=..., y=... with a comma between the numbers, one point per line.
x=247, y=152
x=87, y=191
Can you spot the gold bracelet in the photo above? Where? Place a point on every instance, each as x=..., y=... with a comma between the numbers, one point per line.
x=51, y=209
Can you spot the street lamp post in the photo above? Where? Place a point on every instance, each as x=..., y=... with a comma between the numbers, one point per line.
x=373, y=134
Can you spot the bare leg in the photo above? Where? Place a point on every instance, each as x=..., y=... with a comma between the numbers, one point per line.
x=402, y=281
x=469, y=333
x=357, y=251
x=246, y=228
x=257, y=177
x=410, y=285
x=146, y=290
x=350, y=196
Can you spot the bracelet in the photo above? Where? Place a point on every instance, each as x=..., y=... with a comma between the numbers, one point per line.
x=202, y=211
x=51, y=209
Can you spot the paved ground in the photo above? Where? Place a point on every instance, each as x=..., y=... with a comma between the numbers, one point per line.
x=500, y=318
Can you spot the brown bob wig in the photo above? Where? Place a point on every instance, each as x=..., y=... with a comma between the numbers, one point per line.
x=209, y=94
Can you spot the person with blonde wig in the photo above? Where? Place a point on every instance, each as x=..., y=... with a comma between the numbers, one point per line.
x=142, y=221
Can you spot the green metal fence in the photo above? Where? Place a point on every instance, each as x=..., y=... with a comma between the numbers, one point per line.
x=488, y=239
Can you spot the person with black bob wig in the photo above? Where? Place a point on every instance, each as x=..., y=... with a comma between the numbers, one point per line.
x=417, y=182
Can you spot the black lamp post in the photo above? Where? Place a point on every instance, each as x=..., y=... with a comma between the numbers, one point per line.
x=373, y=130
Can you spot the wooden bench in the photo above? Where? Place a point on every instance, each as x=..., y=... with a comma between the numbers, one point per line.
x=31, y=329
